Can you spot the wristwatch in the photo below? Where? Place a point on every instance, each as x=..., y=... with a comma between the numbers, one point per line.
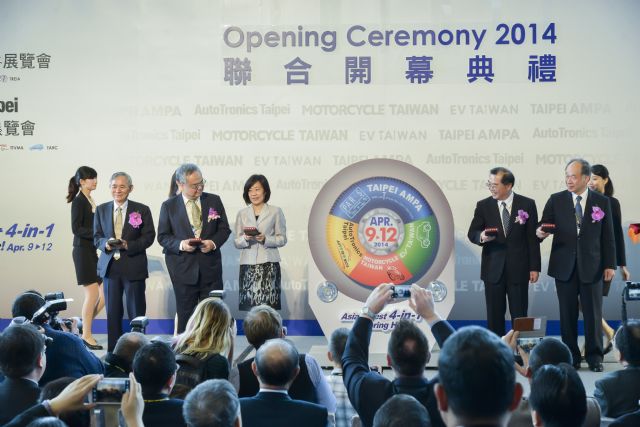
x=366, y=312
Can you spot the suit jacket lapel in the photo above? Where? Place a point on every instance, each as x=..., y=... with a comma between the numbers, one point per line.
x=181, y=211
x=495, y=216
x=263, y=213
x=110, y=231
x=568, y=199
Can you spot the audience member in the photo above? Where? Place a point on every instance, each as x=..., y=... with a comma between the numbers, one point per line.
x=477, y=380
x=206, y=345
x=549, y=351
x=276, y=365
x=557, y=397
x=214, y=403
x=117, y=364
x=263, y=323
x=629, y=420
x=155, y=367
x=344, y=410
x=618, y=392
x=47, y=422
x=23, y=361
x=407, y=353
x=402, y=410
x=67, y=355
x=72, y=419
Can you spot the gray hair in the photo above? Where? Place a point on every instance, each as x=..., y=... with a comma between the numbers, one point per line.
x=585, y=167
x=126, y=175
x=185, y=170
x=213, y=403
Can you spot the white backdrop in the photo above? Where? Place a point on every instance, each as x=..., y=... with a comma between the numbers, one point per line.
x=140, y=87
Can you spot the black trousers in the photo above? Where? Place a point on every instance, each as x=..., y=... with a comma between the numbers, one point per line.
x=134, y=291
x=188, y=297
x=496, y=296
x=590, y=295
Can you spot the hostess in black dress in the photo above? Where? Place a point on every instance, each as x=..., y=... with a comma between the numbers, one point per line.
x=85, y=259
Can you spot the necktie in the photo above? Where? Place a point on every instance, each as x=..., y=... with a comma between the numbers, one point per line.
x=505, y=219
x=117, y=229
x=196, y=217
x=578, y=211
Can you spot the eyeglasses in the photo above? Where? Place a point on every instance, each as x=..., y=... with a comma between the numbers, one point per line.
x=491, y=186
x=197, y=186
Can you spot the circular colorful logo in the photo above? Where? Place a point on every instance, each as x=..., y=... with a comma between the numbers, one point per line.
x=392, y=227
x=382, y=230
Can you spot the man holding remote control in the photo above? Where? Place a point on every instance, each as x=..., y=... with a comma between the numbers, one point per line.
x=192, y=228
x=504, y=224
x=122, y=230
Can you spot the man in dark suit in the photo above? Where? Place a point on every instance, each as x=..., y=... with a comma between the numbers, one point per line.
x=407, y=353
x=67, y=355
x=23, y=361
x=582, y=255
x=276, y=365
x=155, y=369
x=510, y=257
x=618, y=392
x=123, y=267
x=118, y=363
x=192, y=228
x=477, y=381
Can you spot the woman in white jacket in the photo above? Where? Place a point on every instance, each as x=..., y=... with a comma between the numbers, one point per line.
x=260, y=230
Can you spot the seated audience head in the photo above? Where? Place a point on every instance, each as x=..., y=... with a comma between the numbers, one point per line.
x=402, y=410
x=213, y=403
x=79, y=418
x=557, y=397
x=549, y=351
x=47, y=422
x=337, y=343
x=26, y=304
x=22, y=352
x=276, y=364
x=127, y=346
x=408, y=349
x=477, y=379
x=262, y=323
x=627, y=342
x=154, y=367
x=208, y=331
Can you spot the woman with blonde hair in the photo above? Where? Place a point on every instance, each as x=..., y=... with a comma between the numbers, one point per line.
x=207, y=341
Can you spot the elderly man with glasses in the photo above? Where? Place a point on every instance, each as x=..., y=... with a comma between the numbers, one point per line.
x=192, y=228
x=504, y=224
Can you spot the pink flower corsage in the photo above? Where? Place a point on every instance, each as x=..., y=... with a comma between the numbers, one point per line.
x=135, y=219
x=522, y=217
x=213, y=214
x=596, y=214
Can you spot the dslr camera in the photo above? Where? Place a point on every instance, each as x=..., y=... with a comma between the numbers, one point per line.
x=54, y=303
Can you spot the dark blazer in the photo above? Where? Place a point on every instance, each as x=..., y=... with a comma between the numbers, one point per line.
x=621, y=257
x=33, y=413
x=369, y=390
x=618, y=392
x=629, y=420
x=67, y=356
x=174, y=226
x=593, y=251
x=82, y=222
x=278, y=409
x=133, y=260
x=515, y=254
x=16, y=396
x=159, y=413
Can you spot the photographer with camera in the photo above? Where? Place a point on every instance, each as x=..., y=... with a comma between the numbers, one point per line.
x=407, y=353
x=66, y=354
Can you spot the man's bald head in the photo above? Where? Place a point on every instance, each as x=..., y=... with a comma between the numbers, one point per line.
x=276, y=363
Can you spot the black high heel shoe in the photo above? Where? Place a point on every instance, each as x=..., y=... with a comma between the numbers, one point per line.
x=608, y=348
x=95, y=346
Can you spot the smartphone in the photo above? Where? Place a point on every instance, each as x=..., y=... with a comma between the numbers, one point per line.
x=109, y=391
x=527, y=344
x=491, y=231
x=195, y=242
x=114, y=243
x=401, y=291
x=251, y=231
x=548, y=228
